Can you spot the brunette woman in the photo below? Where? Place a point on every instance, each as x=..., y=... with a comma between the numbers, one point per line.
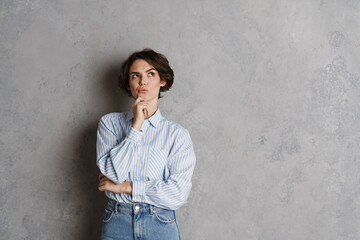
x=146, y=161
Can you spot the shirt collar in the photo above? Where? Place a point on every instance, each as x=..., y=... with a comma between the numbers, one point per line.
x=154, y=119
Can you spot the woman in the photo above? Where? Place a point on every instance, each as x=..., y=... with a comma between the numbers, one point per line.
x=146, y=161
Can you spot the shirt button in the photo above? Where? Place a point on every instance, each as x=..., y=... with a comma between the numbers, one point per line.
x=137, y=208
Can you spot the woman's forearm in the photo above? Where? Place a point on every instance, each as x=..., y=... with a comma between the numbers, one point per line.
x=106, y=184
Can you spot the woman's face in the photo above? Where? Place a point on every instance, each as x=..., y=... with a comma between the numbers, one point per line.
x=144, y=80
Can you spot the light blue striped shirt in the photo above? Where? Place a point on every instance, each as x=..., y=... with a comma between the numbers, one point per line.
x=159, y=159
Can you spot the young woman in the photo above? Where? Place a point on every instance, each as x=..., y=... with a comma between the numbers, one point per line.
x=146, y=161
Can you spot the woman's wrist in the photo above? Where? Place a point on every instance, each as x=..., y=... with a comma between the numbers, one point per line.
x=125, y=187
x=137, y=126
x=129, y=188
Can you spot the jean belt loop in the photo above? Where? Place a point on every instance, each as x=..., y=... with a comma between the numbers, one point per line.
x=151, y=210
x=116, y=207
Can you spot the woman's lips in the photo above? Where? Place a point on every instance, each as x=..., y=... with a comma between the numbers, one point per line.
x=142, y=91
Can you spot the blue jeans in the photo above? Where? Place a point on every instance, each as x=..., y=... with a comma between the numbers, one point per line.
x=138, y=221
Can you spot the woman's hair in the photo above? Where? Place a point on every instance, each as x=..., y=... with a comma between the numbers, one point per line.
x=157, y=60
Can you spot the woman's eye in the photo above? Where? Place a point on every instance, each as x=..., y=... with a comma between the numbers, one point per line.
x=151, y=74
x=134, y=76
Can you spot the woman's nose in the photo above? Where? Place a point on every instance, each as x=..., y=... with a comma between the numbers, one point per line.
x=143, y=81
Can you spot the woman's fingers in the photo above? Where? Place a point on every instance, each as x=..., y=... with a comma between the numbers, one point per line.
x=108, y=185
x=137, y=100
x=105, y=179
x=102, y=188
x=140, y=112
x=104, y=184
x=101, y=176
x=146, y=112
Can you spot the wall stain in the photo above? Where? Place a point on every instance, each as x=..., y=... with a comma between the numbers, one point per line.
x=337, y=39
x=334, y=108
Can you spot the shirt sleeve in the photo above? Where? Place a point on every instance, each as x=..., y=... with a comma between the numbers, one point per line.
x=173, y=192
x=115, y=160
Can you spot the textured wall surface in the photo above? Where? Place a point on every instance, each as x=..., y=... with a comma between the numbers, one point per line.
x=269, y=91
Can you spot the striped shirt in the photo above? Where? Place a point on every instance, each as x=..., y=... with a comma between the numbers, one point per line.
x=159, y=160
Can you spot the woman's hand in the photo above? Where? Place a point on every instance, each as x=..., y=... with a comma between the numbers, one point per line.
x=140, y=112
x=106, y=184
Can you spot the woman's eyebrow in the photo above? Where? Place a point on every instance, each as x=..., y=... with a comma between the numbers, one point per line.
x=145, y=71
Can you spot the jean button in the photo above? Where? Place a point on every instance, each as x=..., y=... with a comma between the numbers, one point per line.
x=137, y=208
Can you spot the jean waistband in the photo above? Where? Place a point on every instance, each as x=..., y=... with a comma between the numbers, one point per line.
x=130, y=207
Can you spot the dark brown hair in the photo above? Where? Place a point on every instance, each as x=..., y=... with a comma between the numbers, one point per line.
x=157, y=60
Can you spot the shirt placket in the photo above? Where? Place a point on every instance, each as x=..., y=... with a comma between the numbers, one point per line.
x=138, y=172
x=135, y=173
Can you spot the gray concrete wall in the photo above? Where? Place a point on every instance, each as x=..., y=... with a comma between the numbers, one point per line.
x=269, y=91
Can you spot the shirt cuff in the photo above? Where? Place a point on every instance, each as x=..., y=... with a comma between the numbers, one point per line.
x=134, y=136
x=138, y=191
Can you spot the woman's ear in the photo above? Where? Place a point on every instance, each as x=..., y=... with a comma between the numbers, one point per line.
x=162, y=83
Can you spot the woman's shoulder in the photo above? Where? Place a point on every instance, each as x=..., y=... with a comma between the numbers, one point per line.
x=114, y=122
x=175, y=128
x=114, y=117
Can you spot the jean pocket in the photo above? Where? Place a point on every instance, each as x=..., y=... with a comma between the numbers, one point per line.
x=107, y=215
x=165, y=216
